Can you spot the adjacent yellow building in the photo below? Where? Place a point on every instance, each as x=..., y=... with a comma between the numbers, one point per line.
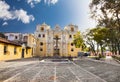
x=10, y=50
x=29, y=42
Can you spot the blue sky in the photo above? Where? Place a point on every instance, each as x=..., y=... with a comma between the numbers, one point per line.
x=23, y=15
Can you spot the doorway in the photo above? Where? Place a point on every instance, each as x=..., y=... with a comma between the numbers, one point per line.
x=23, y=53
x=56, y=52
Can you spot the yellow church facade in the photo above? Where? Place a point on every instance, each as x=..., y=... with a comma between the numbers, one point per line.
x=56, y=41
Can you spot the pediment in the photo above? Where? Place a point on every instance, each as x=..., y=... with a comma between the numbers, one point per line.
x=57, y=28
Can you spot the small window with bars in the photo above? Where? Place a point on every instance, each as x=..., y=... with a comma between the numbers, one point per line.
x=5, y=49
x=15, y=50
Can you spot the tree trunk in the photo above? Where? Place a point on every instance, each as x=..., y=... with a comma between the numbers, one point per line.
x=97, y=48
x=118, y=48
x=101, y=50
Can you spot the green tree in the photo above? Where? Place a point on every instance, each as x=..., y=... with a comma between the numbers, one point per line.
x=2, y=35
x=107, y=14
x=78, y=41
x=99, y=36
x=89, y=41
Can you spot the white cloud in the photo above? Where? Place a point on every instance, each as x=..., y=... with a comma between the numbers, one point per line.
x=5, y=14
x=21, y=14
x=54, y=1
x=50, y=1
x=33, y=2
x=4, y=24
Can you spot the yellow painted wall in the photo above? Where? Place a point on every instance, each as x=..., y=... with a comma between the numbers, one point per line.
x=38, y=47
x=10, y=52
x=37, y=52
x=44, y=49
x=70, y=53
x=73, y=53
x=41, y=53
x=28, y=53
x=31, y=42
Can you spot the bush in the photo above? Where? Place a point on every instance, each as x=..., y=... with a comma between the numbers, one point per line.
x=97, y=57
x=94, y=57
x=101, y=56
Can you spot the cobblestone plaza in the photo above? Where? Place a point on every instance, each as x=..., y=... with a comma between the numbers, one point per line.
x=63, y=70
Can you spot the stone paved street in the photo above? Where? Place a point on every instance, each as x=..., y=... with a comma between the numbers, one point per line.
x=106, y=71
x=82, y=70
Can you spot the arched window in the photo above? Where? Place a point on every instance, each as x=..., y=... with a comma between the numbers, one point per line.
x=42, y=28
x=72, y=49
x=70, y=36
x=72, y=44
x=39, y=35
x=41, y=49
x=72, y=29
x=16, y=37
x=43, y=35
x=25, y=38
x=41, y=43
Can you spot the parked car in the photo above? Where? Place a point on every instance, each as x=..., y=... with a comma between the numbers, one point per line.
x=80, y=54
x=87, y=54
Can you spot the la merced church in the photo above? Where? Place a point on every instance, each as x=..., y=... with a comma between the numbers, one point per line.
x=45, y=42
x=56, y=41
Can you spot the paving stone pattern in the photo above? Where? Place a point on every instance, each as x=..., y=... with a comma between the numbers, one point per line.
x=53, y=71
x=106, y=71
